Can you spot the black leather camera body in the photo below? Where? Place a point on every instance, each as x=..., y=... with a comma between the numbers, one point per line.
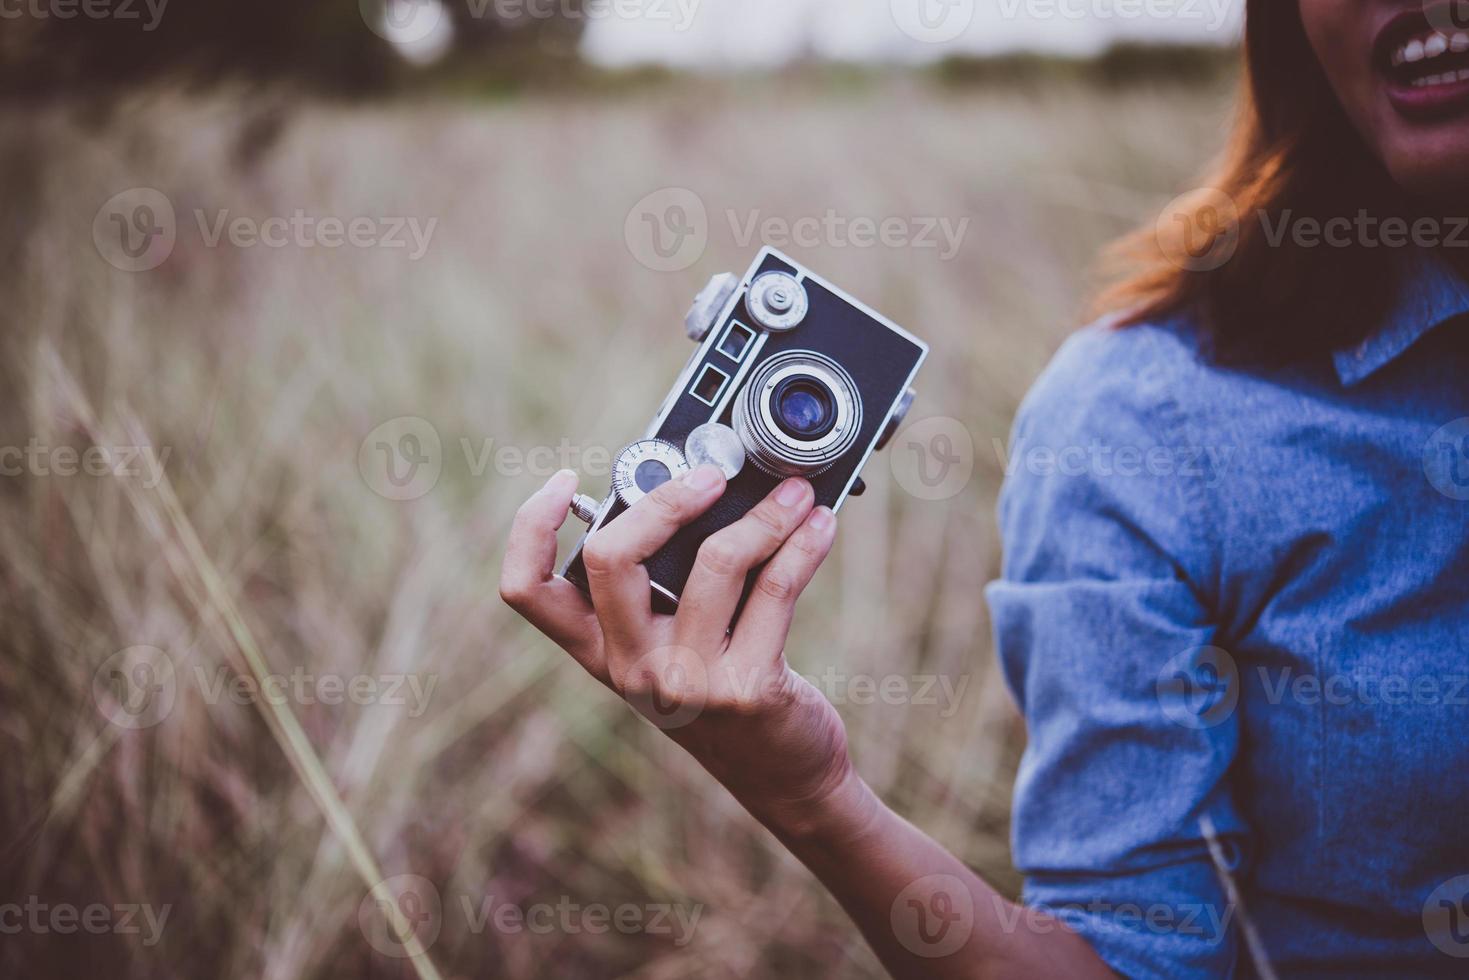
x=793, y=377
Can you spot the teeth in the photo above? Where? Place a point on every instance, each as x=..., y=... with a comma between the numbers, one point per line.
x=1430, y=47
x=1447, y=78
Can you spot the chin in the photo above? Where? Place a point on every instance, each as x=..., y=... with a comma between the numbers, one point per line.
x=1432, y=165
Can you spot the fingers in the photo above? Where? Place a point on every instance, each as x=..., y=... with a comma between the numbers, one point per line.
x=767, y=616
x=726, y=559
x=528, y=583
x=614, y=555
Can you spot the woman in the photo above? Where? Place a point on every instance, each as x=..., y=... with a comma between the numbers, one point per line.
x=1236, y=621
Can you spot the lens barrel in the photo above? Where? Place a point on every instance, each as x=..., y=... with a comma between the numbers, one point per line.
x=798, y=414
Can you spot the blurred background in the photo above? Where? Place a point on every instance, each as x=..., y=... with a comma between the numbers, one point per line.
x=301, y=299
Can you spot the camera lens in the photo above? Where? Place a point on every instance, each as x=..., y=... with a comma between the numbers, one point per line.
x=804, y=408
x=797, y=415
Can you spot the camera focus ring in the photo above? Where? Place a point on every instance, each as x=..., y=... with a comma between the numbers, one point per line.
x=799, y=413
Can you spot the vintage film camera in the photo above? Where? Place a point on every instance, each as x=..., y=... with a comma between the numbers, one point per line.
x=792, y=377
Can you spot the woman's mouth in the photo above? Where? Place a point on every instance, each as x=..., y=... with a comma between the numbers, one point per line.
x=1426, y=70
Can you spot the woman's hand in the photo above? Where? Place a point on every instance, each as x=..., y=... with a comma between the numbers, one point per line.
x=762, y=730
x=730, y=699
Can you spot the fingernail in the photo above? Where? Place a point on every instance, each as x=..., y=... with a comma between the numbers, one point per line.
x=791, y=493
x=822, y=519
x=705, y=477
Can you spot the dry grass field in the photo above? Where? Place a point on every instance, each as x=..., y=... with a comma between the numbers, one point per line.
x=466, y=750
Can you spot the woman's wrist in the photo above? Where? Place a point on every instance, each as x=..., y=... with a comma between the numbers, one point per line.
x=840, y=813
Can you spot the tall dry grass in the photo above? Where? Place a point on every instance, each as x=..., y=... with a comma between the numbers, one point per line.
x=527, y=322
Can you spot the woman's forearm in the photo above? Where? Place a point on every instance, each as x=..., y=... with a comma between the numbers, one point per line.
x=922, y=910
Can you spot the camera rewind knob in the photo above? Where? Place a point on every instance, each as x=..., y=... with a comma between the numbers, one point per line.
x=708, y=305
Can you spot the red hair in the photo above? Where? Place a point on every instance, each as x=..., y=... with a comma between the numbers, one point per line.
x=1293, y=156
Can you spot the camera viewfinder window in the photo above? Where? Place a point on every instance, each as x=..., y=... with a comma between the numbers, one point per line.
x=736, y=340
x=710, y=384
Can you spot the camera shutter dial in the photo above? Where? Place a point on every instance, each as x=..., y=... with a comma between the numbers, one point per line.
x=645, y=466
x=777, y=301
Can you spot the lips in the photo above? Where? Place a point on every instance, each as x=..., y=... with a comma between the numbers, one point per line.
x=1425, y=69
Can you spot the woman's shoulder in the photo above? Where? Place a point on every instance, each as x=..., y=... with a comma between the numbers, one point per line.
x=1108, y=375
x=1116, y=445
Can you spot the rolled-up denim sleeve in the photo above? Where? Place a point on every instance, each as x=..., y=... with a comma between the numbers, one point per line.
x=1103, y=631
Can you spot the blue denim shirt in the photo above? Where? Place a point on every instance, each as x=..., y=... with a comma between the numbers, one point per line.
x=1235, y=613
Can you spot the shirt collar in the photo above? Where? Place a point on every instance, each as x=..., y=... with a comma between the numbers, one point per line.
x=1431, y=293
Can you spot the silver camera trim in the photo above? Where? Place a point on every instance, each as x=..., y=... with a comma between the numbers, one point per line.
x=776, y=451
